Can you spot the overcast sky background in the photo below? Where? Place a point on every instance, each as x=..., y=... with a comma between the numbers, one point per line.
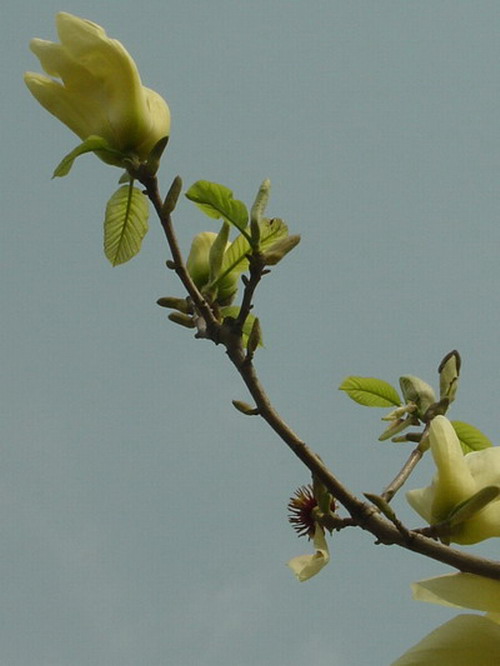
x=142, y=519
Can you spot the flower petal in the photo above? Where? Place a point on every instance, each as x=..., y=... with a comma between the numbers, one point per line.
x=307, y=566
x=454, y=482
x=462, y=590
x=420, y=499
x=100, y=91
x=467, y=640
x=484, y=466
x=81, y=114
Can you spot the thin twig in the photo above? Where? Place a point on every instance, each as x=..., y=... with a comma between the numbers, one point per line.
x=256, y=271
x=151, y=185
x=402, y=476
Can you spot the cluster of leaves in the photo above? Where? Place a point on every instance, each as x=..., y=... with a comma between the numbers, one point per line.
x=216, y=264
x=418, y=404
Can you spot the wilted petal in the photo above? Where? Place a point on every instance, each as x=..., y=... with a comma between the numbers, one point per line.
x=467, y=640
x=307, y=566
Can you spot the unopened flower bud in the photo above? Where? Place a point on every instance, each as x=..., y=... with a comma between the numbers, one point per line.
x=172, y=196
x=417, y=391
x=173, y=303
x=245, y=408
x=182, y=319
x=100, y=92
x=197, y=264
x=449, y=371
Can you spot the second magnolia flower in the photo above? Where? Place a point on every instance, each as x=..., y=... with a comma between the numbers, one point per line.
x=458, y=478
x=100, y=92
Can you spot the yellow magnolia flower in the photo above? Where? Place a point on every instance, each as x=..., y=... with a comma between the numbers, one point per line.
x=100, y=91
x=307, y=566
x=467, y=639
x=458, y=478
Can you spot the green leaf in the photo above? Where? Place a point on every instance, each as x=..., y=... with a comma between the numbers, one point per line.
x=217, y=201
x=471, y=439
x=235, y=258
x=91, y=144
x=125, y=224
x=370, y=392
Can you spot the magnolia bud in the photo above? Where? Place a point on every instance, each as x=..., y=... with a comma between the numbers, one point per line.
x=449, y=371
x=245, y=408
x=172, y=196
x=182, y=319
x=197, y=263
x=174, y=303
x=417, y=391
x=100, y=92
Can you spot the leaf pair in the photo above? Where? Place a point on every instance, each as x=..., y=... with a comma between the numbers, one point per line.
x=372, y=392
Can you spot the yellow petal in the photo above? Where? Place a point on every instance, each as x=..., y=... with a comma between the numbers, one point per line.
x=467, y=640
x=461, y=590
x=420, y=499
x=81, y=114
x=454, y=482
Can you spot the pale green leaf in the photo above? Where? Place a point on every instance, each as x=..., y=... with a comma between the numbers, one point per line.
x=125, y=224
x=471, y=439
x=217, y=201
x=370, y=392
x=235, y=258
x=91, y=144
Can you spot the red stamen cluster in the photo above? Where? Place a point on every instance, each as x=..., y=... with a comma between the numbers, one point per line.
x=301, y=511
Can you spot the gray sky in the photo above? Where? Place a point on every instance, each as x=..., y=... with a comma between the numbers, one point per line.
x=143, y=520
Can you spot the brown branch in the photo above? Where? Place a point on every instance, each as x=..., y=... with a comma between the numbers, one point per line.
x=164, y=215
x=362, y=514
x=402, y=476
x=256, y=271
x=365, y=515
